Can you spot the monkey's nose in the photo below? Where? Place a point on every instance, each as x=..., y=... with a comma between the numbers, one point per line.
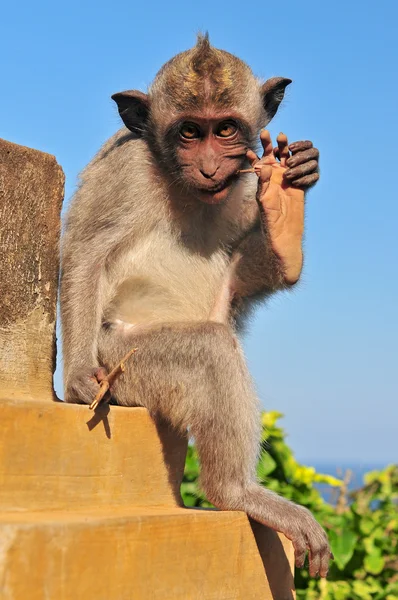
x=209, y=173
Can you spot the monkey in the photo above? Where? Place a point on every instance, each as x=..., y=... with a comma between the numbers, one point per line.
x=167, y=246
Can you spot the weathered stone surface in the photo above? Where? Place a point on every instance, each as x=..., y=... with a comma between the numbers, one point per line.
x=31, y=193
x=140, y=554
x=90, y=508
x=64, y=456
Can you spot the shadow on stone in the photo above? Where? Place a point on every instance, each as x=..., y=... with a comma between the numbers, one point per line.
x=101, y=414
x=275, y=561
x=174, y=449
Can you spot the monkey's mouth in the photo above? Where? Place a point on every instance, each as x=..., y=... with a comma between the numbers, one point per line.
x=216, y=193
x=214, y=189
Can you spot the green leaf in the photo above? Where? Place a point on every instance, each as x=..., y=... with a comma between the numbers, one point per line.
x=366, y=525
x=374, y=585
x=369, y=545
x=189, y=500
x=266, y=465
x=191, y=461
x=329, y=479
x=341, y=590
x=361, y=588
x=343, y=545
x=379, y=533
x=374, y=563
x=270, y=418
x=190, y=488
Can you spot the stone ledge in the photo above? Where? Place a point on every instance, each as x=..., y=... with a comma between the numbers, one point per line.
x=141, y=554
x=55, y=455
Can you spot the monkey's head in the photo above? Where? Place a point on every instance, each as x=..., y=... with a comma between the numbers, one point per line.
x=202, y=113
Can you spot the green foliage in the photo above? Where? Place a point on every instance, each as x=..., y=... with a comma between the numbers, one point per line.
x=362, y=526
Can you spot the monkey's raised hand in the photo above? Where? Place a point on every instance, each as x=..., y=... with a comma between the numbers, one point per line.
x=280, y=196
x=303, y=167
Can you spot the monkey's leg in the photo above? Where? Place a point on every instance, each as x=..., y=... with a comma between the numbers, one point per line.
x=195, y=376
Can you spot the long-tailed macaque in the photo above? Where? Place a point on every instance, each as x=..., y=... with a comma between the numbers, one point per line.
x=167, y=245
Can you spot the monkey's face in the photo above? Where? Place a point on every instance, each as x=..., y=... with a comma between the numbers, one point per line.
x=202, y=113
x=208, y=152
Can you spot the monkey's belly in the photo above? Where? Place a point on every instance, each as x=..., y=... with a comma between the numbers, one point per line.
x=166, y=286
x=140, y=300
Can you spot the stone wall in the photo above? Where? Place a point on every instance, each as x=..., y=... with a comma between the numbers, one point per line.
x=31, y=194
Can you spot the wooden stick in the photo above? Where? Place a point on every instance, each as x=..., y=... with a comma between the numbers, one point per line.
x=109, y=379
x=252, y=170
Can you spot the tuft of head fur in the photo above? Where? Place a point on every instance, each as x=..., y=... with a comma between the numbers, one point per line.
x=203, y=76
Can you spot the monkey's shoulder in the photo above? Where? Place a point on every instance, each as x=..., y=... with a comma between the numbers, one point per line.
x=117, y=190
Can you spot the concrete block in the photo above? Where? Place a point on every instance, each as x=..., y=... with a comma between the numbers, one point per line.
x=31, y=193
x=145, y=554
x=56, y=455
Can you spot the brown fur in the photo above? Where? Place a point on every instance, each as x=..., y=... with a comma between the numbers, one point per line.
x=146, y=264
x=201, y=76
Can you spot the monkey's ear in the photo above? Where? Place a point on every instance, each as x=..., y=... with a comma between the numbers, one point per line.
x=273, y=91
x=133, y=108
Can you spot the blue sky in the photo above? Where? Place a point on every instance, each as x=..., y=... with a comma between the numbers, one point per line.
x=325, y=355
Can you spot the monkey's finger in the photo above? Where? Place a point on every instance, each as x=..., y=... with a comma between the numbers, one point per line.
x=100, y=374
x=300, y=551
x=265, y=176
x=302, y=156
x=305, y=169
x=82, y=390
x=266, y=143
x=283, y=148
x=324, y=566
x=252, y=157
x=315, y=563
x=299, y=146
x=276, y=153
x=306, y=181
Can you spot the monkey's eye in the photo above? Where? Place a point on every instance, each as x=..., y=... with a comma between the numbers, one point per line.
x=227, y=129
x=189, y=131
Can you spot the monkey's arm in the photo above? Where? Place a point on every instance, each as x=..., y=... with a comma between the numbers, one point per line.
x=259, y=271
x=272, y=256
x=81, y=312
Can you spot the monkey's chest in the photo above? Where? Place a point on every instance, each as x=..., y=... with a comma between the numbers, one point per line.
x=162, y=281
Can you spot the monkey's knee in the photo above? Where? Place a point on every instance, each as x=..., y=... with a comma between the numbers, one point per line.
x=225, y=495
x=220, y=341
